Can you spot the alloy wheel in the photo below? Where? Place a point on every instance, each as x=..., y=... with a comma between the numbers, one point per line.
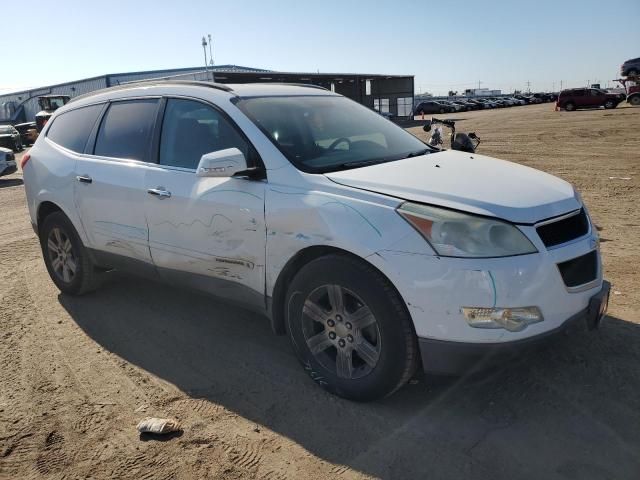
x=341, y=331
x=61, y=255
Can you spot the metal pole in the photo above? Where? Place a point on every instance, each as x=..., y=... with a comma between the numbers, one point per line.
x=213, y=79
x=204, y=49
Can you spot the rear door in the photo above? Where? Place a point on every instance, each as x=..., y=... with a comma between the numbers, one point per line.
x=596, y=97
x=109, y=191
x=579, y=98
x=207, y=233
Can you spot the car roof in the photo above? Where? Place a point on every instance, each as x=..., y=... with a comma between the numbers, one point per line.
x=162, y=87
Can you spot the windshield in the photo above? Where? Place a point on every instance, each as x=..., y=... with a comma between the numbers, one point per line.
x=327, y=133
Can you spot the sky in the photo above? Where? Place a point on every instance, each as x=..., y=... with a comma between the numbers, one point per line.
x=446, y=45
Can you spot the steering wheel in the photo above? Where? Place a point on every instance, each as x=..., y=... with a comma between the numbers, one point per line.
x=338, y=141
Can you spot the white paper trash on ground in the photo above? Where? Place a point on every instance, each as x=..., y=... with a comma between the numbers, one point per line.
x=158, y=425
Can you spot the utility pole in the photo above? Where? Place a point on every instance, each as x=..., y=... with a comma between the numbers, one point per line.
x=528, y=86
x=479, y=83
x=213, y=79
x=560, y=85
x=204, y=49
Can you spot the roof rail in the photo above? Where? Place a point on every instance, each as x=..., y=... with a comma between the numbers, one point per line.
x=308, y=85
x=162, y=81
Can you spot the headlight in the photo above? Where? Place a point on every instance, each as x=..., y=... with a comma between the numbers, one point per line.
x=454, y=234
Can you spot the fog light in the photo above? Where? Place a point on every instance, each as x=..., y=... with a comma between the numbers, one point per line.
x=512, y=319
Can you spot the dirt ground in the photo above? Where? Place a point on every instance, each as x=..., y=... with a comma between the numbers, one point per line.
x=77, y=374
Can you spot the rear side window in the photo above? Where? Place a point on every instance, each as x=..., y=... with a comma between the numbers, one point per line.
x=190, y=129
x=72, y=129
x=125, y=131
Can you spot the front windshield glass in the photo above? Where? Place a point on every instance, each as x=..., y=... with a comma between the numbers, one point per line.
x=328, y=133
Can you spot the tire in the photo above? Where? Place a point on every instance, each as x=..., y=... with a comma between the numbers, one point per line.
x=58, y=229
x=635, y=100
x=632, y=73
x=15, y=146
x=442, y=110
x=322, y=303
x=569, y=107
x=609, y=105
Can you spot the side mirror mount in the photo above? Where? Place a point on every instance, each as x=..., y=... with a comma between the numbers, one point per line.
x=223, y=163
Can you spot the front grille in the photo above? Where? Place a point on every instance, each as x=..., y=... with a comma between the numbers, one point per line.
x=564, y=230
x=580, y=270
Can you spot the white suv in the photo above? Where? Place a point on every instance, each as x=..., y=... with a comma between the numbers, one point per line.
x=374, y=252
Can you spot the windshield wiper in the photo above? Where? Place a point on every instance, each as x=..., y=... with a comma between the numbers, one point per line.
x=417, y=153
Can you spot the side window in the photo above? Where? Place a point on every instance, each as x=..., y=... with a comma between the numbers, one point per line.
x=125, y=131
x=72, y=129
x=190, y=129
x=579, y=93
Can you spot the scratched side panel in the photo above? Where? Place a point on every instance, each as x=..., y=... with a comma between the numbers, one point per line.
x=211, y=228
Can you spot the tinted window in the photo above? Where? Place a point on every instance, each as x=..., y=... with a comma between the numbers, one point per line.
x=72, y=129
x=326, y=133
x=190, y=129
x=578, y=93
x=125, y=130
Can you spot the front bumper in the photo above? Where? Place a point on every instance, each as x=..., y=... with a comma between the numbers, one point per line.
x=453, y=358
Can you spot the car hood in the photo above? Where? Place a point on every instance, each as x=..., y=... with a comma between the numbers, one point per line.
x=468, y=182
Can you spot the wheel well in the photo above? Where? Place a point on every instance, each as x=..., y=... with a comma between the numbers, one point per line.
x=44, y=210
x=292, y=267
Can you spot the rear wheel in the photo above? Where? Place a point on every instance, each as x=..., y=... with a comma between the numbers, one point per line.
x=635, y=100
x=569, y=107
x=350, y=329
x=67, y=260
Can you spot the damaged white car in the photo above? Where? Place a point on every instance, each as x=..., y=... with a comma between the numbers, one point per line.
x=377, y=254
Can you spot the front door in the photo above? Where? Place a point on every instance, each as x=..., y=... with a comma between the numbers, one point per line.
x=207, y=233
x=110, y=187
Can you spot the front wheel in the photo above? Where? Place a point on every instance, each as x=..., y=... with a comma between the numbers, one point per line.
x=350, y=328
x=635, y=100
x=609, y=104
x=67, y=260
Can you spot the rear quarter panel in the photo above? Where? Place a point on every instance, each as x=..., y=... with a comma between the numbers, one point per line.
x=49, y=176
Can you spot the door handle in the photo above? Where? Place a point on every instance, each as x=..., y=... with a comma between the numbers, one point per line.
x=159, y=192
x=84, y=179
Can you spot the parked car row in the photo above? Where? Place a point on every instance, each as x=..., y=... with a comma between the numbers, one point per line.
x=466, y=104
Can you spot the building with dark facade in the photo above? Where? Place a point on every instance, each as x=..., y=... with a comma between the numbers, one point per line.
x=391, y=94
